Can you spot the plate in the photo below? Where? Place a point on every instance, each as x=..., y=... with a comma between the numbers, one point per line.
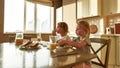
x=62, y=52
x=32, y=46
x=29, y=48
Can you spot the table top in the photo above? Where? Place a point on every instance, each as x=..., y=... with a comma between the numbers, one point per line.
x=12, y=57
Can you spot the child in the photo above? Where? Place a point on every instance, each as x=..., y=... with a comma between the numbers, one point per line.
x=62, y=29
x=81, y=42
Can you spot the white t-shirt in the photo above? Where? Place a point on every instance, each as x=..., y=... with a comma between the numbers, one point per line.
x=64, y=37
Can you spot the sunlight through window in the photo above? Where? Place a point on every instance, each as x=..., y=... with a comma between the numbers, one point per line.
x=27, y=17
x=13, y=15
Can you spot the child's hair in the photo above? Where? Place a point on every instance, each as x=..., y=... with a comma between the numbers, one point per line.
x=85, y=26
x=64, y=26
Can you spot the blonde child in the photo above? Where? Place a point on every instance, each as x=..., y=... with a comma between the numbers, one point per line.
x=81, y=42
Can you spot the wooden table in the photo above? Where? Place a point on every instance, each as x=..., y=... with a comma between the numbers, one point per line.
x=12, y=57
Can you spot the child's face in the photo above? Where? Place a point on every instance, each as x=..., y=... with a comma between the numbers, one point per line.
x=80, y=31
x=60, y=30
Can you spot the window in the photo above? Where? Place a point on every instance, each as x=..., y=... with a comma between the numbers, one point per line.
x=13, y=15
x=25, y=16
x=44, y=18
x=29, y=20
x=59, y=14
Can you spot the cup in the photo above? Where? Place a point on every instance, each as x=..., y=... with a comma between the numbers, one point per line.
x=39, y=38
x=53, y=39
x=19, y=38
x=52, y=46
x=18, y=41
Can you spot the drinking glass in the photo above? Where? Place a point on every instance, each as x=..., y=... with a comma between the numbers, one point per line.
x=39, y=38
x=53, y=40
x=19, y=38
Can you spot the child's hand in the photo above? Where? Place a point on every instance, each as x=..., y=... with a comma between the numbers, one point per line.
x=54, y=32
x=61, y=42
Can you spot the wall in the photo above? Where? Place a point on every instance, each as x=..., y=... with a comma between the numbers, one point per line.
x=69, y=13
x=1, y=19
x=70, y=16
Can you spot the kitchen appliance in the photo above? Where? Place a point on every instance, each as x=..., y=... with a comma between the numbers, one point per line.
x=117, y=28
x=108, y=30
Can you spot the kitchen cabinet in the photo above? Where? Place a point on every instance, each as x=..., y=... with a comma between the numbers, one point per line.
x=88, y=8
x=112, y=55
x=110, y=7
x=118, y=51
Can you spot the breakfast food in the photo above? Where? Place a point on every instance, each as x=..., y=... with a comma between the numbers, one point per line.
x=29, y=45
x=35, y=44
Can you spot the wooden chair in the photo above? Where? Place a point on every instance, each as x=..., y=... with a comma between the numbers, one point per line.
x=11, y=38
x=103, y=49
x=27, y=37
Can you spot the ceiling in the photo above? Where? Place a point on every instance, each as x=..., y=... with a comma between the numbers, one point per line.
x=53, y=3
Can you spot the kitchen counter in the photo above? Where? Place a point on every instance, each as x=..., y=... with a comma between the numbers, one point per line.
x=105, y=35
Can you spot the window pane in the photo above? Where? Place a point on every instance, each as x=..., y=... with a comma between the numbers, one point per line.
x=44, y=18
x=30, y=21
x=59, y=14
x=13, y=15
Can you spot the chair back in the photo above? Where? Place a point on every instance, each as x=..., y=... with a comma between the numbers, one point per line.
x=100, y=47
